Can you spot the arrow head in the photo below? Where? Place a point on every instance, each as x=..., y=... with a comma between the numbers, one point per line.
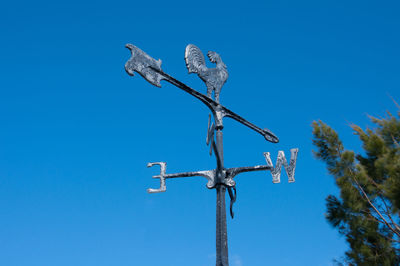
x=269, y=136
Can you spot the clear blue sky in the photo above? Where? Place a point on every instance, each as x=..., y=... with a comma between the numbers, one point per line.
x=76, y=132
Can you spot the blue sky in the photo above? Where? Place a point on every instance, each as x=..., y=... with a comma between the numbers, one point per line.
x=77, y=131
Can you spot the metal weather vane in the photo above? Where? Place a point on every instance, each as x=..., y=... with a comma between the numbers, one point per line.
x=220, y=178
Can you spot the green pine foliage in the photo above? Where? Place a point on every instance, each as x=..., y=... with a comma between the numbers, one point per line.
x=367, y=210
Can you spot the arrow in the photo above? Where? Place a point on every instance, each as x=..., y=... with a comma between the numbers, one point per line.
x=150, y=69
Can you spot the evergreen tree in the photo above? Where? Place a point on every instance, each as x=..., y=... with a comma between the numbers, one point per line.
x=367, y=210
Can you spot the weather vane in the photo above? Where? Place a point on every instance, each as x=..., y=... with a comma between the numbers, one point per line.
x=220, y=178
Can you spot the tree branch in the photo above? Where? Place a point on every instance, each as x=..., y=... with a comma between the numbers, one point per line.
x=372, y=205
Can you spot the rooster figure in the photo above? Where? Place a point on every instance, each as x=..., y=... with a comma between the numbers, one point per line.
x=214, y=78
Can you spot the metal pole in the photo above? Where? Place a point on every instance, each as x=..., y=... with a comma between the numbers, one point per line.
x=221, y=229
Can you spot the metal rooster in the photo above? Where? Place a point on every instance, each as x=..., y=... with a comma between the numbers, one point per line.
x=214, y=78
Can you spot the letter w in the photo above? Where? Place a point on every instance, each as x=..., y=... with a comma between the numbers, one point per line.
x=281, y=160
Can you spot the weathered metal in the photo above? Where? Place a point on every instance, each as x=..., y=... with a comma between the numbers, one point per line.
x=143, y=64
x=281, y=160
x=214, y=78
x=220, y=178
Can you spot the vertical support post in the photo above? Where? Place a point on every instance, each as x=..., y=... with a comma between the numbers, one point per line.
x=221, y=228
x=221, y=233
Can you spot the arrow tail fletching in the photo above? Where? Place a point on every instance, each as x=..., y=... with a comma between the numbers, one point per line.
x=143, y=64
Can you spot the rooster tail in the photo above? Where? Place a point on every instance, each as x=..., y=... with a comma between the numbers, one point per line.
x=194, y=59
